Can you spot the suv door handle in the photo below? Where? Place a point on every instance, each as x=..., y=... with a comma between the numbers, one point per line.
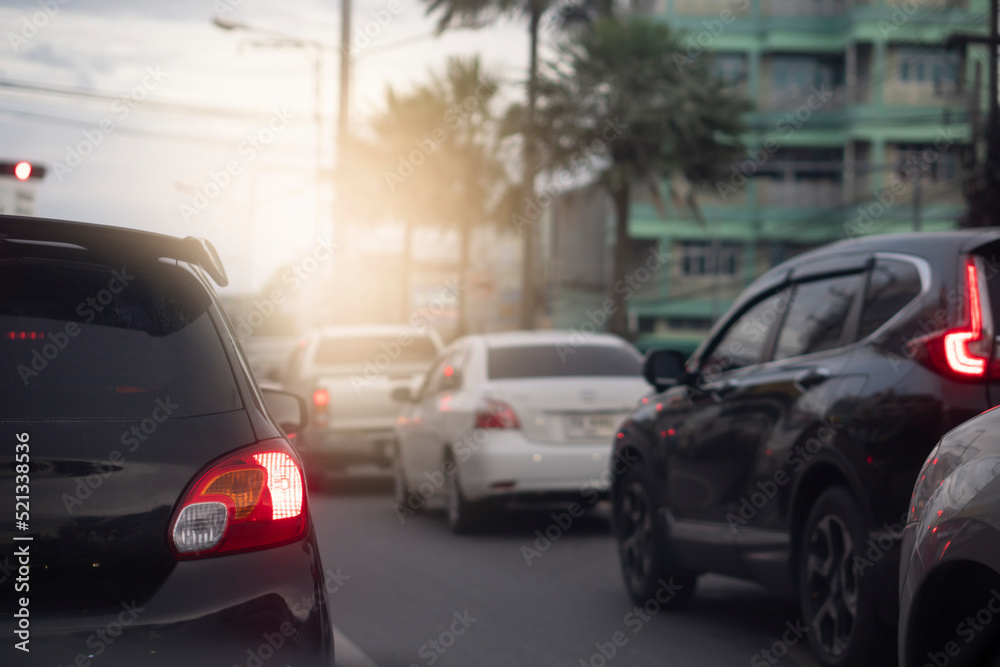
x=811, y=378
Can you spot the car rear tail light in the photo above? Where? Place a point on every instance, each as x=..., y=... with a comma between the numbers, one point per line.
x=496, y=414
x=321, y=399
x=963, y=351
x=250, y=500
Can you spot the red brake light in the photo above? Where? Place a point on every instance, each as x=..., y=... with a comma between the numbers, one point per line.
x=963, y=351
x=321, y=398
x=22, y=170
x=250, y=500
x=497, y=414
x=26, y=335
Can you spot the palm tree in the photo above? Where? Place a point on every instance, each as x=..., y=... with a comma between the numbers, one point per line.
x=622, y=99
x=478, y=13
x=428, y=161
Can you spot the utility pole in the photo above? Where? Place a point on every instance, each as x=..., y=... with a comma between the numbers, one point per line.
x=529, y=284
x=345, y=74
x=992, y=182
x=985, y=190
x=319, y=49
x=318, y=140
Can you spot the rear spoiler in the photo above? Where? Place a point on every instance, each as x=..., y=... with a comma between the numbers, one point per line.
x=103, y=239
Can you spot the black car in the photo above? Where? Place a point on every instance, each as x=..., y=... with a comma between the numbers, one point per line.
x=785, y=449
x=156, y=511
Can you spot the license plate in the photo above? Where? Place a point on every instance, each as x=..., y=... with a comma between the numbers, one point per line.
x=591, y=426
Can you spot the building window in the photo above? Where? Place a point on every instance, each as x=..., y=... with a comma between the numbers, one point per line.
x=780, y=251
x=929, y=66
x=793, y=79
x=802, y=177
x=689, y=323
x=801, y=72
x=730, y=68
x=698, y=258
x=927, y=162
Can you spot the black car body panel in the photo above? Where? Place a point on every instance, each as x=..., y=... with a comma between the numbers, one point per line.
x=142, y=391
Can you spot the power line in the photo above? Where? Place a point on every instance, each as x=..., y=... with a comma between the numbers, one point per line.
x=40, y=117
x=89, y=93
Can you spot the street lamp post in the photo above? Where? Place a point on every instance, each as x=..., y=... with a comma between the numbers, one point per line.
x=319, y=51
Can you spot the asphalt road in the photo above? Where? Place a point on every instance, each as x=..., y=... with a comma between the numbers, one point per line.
x=414, y=594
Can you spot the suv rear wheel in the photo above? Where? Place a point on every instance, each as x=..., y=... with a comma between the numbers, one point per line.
x=642, y=546
x=838, y=603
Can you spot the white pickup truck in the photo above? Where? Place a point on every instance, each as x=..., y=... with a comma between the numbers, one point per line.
x=347, y=374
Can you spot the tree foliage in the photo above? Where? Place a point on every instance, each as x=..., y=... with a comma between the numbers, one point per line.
x=623, y=101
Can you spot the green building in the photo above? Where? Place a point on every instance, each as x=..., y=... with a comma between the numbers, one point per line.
x=863, y=118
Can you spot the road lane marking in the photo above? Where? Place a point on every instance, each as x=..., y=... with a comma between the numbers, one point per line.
x=347, y=653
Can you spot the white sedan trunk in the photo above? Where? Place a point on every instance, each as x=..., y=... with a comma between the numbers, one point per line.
x=570, y=409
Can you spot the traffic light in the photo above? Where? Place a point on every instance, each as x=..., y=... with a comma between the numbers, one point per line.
x=21, y=170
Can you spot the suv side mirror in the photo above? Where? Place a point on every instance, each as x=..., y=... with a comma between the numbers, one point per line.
x=402, y=395
x=664, y=368
x=288, y=409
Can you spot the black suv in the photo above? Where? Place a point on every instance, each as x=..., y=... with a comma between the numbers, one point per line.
x=785, y=449
x=156, y=512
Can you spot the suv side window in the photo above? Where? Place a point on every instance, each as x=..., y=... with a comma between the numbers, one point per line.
x=893, y=284
x=817, y=316
x=744, y=342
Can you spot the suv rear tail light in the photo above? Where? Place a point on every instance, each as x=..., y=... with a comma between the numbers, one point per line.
x=496, y=414
x=250, y=500
x=963, y=351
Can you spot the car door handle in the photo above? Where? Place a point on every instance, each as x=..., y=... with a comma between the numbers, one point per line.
x=812, y=377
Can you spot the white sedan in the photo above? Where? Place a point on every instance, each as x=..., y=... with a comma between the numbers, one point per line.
x=514, y=416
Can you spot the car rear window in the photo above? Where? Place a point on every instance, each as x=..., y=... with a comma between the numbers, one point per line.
x=92, y=342
x=567, y=360
x=345, y=351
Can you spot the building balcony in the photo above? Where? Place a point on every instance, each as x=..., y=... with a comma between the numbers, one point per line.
x=775, y=192
x=711, y=7
x=804, y=8
x=922, y=93
x=932, y=4
x=794, y=98
x=783, y=188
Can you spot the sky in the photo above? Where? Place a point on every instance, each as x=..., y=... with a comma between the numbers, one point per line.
x=202, y=131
